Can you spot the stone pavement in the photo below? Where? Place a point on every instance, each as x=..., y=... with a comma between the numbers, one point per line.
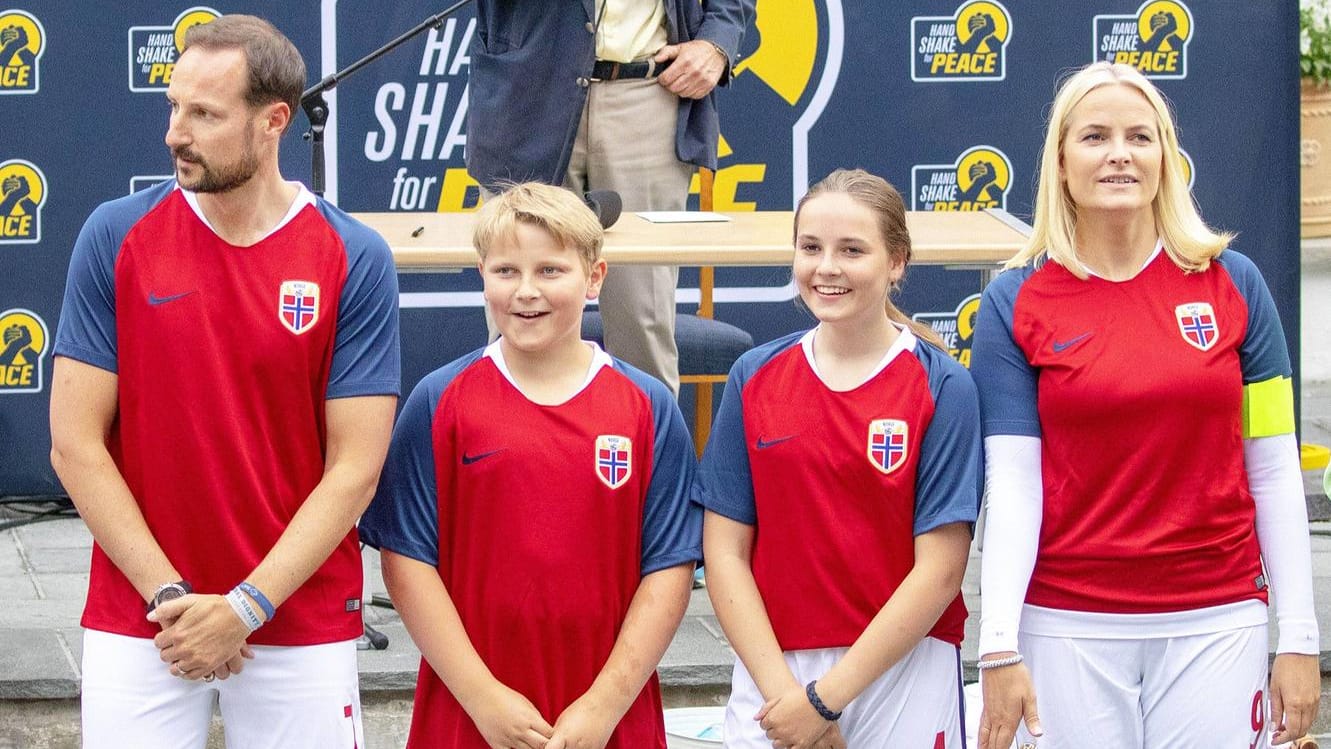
x=43, y=578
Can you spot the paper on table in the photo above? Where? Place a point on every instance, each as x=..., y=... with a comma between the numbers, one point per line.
x=681, y=217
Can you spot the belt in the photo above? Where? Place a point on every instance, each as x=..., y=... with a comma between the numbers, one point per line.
x=606, y=70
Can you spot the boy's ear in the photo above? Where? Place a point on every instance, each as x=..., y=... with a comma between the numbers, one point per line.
x=595, y=277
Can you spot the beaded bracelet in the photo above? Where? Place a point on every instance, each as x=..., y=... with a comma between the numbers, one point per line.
x=817, y=702
x=1011, y=660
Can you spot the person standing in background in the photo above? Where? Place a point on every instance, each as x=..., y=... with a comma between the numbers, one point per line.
x=605, y=95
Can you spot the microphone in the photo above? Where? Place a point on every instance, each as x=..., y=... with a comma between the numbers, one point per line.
x=606, y=204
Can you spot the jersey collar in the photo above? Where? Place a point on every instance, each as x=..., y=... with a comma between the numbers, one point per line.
x=906, y=341
x=600, y=358
x=303, y=198
x=1159, y=248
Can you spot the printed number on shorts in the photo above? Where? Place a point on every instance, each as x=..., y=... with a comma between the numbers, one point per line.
x=1258, y=718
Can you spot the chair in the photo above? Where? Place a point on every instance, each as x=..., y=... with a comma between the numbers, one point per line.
x=718, y=344
x=707, y=347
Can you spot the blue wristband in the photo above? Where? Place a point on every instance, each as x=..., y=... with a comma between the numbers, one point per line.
x=817, y=703
x=259, y=598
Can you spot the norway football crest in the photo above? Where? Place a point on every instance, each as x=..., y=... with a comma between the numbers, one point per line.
x=1196, y=321
x=298, y=305
x=614, y=459
x=887, y=444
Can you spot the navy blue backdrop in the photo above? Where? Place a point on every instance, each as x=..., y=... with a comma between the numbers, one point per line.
x=917, y=92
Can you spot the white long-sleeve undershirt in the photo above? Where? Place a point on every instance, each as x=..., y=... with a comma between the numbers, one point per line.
x=1014, y=497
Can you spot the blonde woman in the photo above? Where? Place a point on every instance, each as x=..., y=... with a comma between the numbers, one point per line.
x=1143, y=483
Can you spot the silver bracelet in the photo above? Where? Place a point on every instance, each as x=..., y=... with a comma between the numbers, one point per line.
x=1011, y=660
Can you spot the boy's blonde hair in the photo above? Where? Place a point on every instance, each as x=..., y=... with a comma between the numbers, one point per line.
x=556, y=210
x=1189, y=242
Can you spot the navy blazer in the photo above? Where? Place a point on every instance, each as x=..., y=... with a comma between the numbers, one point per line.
x=530, y=60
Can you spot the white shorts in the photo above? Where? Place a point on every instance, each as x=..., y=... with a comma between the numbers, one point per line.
x=288, y=697
x=916, y=703
x=1195, y=692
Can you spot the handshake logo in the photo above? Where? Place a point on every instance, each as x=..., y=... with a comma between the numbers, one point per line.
x=22, y=193
x=1155, y=40
x=23, y=343
x=153, y=50
x=22, y=41
x=955, y=327
x=967, y=46
x=979, y=179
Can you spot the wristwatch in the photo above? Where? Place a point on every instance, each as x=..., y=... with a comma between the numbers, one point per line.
x=169, y=592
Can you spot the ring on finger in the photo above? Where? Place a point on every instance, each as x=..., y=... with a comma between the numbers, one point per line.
x=209, y=677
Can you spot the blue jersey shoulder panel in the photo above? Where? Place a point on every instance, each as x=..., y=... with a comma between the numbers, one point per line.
x=1006, y=382
x=725, y=477
x=404, y=515
x=87, y=328
x=1263, y=354
x=950, y=478
x=671, y=522
x=366, y=354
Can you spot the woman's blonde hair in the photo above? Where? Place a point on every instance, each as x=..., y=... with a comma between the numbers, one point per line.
x=1189, y=242
x=559, y=212
x=883, y=200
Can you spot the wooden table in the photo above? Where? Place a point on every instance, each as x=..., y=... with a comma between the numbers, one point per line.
x=979, y=241
x=438, y=241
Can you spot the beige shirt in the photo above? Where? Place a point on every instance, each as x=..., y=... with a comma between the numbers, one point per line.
x=630, y=30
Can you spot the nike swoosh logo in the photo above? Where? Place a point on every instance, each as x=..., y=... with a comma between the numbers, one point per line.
x=764, y=444
x=1060, y=346
x=155, y=300
x=469, y=459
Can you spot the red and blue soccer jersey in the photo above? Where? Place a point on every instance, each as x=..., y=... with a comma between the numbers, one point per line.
x=838, y=484
x=225, y=356
x=542, y=521
x=1141, y=392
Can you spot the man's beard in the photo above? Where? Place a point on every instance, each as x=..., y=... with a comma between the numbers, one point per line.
x=215, y=180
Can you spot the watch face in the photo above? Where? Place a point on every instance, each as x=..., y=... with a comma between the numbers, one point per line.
x=170, y=593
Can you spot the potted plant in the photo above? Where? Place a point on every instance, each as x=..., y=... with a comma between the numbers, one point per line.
x=1315, y=111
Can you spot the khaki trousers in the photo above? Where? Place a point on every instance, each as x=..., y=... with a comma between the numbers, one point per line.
x=626, y=143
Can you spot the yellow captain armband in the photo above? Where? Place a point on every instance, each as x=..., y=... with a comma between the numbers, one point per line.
x=1268, y=408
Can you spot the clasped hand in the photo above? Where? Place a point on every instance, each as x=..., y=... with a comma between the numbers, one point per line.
x=507, y=719
x=791, y=722
x=201, y=636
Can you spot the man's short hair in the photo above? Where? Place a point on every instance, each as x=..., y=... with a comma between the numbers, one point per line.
x=559, y=212
x=277, y=72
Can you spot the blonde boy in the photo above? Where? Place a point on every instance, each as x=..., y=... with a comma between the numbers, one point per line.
x=534, y=513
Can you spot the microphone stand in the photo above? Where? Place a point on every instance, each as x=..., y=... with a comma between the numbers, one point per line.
x=316, y=108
